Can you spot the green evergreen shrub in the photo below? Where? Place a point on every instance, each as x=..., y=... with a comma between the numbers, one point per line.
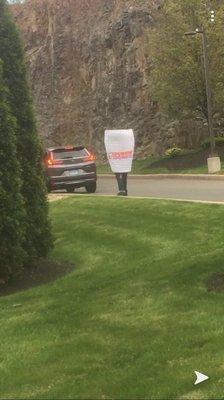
x=38, y=239
x=11, y=203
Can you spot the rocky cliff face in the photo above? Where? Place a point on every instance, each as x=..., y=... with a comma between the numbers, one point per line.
x=89, y=66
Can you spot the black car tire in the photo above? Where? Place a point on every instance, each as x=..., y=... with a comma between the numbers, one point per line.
x=70, y=189
x=91, y=187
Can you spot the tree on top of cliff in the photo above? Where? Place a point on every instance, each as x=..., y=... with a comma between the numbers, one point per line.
x=37, y=235
x=177, y=77
x=11, y=204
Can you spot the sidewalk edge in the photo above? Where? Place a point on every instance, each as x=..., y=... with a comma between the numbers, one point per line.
x=168, y=176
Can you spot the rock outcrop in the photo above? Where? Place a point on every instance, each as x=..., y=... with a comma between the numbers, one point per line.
x=89, y=66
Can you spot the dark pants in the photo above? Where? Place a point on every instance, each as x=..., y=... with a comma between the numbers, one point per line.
x=122, y=181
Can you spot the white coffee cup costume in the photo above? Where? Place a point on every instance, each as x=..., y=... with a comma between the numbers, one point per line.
x=120, y=149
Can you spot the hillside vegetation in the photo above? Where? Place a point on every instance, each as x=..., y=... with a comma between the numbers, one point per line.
x=177, y=78
x=95, y=64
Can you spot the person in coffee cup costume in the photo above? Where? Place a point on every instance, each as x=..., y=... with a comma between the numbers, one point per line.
x=120, y=146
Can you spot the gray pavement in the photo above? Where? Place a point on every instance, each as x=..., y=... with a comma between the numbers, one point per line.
x=175, y=188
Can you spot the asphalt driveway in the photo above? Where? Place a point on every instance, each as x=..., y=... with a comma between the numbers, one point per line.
x=168, y=188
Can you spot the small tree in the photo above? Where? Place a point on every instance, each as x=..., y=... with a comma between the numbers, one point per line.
x=177, y=77
x=37, y=233
x=11, y=204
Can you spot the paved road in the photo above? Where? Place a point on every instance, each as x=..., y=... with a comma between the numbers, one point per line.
x=189, y=189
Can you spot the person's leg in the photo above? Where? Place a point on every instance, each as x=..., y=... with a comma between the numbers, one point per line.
x=120, y=182
x=124, y=184
x=125, y=178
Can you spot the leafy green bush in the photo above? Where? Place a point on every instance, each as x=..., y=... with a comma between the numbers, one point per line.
x=219, y=141
x=173, y=152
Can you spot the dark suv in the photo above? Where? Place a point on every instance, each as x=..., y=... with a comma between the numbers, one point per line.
x=70, y=167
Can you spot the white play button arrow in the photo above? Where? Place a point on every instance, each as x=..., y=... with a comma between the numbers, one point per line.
x=200, y=377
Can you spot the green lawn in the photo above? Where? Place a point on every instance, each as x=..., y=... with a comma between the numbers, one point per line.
x=134, y=319
x=143, y=167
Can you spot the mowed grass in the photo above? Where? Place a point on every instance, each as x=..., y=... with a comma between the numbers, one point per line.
x=134, y=319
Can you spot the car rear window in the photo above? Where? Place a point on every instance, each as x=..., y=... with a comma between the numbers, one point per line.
x=64, y=154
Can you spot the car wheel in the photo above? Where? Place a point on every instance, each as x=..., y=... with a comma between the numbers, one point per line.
x=91, y=187
x=70, y=189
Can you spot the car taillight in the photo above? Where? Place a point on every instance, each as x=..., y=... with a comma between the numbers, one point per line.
x=90, y=157
x=50, y=161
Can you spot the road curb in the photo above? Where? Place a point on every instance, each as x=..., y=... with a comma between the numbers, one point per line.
x=169, y=176
x=66, y=196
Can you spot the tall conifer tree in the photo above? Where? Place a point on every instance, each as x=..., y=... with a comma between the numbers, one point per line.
x=11, y=203
x=37, y=230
